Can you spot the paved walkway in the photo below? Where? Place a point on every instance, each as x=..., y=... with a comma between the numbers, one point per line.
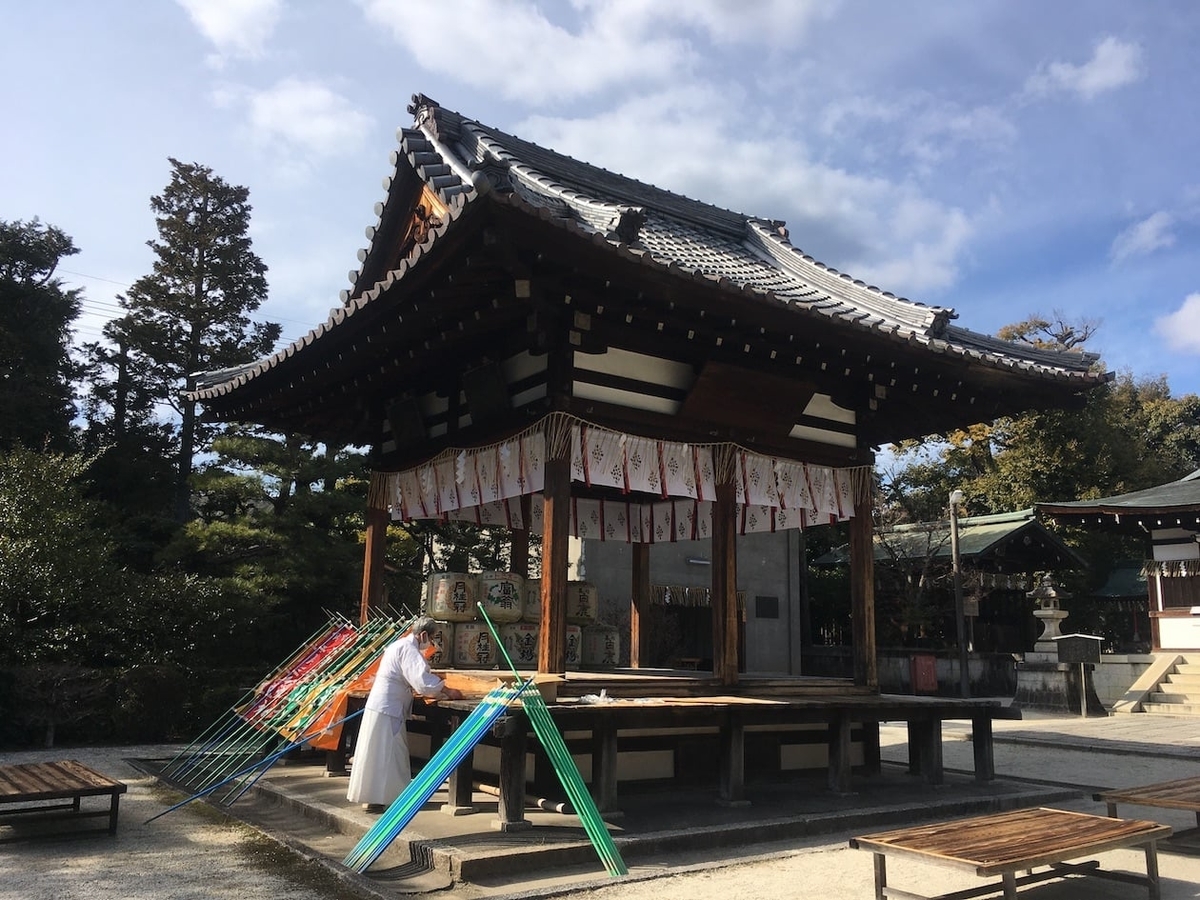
x=789, y=843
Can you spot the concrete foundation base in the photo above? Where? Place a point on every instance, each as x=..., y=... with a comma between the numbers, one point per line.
x=1046, y=685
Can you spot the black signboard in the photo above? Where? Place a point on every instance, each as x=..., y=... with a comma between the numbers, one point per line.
x=1078, y=648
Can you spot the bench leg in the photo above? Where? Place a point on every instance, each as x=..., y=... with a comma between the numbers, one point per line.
x=1153, y=883
x=1010, y=886
x=113, y=808
x=880, y=876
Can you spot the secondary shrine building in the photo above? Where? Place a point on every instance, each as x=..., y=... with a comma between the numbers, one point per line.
x=534, y=342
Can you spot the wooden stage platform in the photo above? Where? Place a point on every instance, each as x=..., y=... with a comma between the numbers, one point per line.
x=683, y=727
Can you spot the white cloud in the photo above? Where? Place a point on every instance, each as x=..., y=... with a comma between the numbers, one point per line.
x=887, y=234
x=722, y=21
x=520, y=53
x=1114, y=64
x=523, y=52
x=298, y=120
x=1144, y=237
x=1181, y=329
x=919, y=126
x=237, y=28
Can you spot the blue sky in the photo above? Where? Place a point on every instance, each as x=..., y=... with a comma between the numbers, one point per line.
x=1001, y=158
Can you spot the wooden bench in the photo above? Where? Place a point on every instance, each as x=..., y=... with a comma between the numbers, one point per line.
x=30, y=787
x=1183, y=793
x=1006, y=843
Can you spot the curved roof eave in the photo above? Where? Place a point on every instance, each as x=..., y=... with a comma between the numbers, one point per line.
x=456, y=171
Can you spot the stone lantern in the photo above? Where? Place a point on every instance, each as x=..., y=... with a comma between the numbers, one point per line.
x=1049, y=612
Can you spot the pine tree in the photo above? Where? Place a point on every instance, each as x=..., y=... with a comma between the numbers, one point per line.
x=36, y=313
x=192, y=312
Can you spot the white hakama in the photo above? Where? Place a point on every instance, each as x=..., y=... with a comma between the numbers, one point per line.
x=381, y=769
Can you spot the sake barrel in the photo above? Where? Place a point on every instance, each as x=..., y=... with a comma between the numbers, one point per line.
x=452, y=596
x=583, y=603
x=502, y=595
x=531, y=607
x=442, y=639
x=473, y=646
x=521, y=641
x=601, y=646
x=574, y=642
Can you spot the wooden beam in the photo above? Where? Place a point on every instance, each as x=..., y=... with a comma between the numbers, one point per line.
x=639, y=605
x=724, y=584
x=374, y=554
x=862, y=594
x=556, y=524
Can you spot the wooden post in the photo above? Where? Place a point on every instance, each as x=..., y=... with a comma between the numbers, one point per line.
x=639, y=604
x=862, y=594
x=839, y=752
x=374, y=555
x=732, y=788
x=510, y=807
x=519, y=542
x=724, y=584
x=604, y=763
x=556, y=524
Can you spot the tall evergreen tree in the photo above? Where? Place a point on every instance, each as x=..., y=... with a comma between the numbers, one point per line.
x=36, y=313
x=192, y=312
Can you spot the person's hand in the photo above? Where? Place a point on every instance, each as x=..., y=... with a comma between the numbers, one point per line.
x=449, y=693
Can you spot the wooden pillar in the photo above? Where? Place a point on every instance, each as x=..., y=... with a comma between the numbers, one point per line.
x=639, y=604
x=510, y=807
x=984, y=747
x=732, y=788
x=374, y=555
x=724, y=584
x=862, y=593
x=556, y=524
x=604, y=762
x=519, y=541
x=461, y=784
x=839, y=751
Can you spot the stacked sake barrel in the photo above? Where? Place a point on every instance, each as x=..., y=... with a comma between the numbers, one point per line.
x=453, y=598
x=514, y=604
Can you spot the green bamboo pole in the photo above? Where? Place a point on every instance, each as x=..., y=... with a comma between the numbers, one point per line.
x=431, y=776
x=565, y=768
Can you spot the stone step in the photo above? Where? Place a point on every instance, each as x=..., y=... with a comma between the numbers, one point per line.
x=1188, y=668
x=1172, y=709
x=1180, y=684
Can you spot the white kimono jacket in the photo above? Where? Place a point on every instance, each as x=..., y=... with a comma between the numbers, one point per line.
x=381, y=769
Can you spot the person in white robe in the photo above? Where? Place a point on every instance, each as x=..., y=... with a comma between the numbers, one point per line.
x=381, y=770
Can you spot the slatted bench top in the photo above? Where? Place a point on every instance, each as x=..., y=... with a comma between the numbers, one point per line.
x=53, y=781
x=1183, y=793
x=1021, y=839
x=27, y=788
x=1006, y=843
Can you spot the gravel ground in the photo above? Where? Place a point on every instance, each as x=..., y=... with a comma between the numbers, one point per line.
x=197, y=852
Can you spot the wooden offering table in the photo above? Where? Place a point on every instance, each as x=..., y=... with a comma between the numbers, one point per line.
x=1005, y=843
x=31, y=785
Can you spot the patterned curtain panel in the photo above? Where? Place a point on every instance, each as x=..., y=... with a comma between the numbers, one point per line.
x=484, y=485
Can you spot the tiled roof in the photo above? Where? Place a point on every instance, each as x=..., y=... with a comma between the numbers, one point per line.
x=1174, y=497
x=464, y=161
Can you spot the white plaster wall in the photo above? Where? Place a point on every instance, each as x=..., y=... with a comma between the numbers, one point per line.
x=1179, y=634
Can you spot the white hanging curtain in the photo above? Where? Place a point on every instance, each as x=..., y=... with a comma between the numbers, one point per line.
x=484, y=485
